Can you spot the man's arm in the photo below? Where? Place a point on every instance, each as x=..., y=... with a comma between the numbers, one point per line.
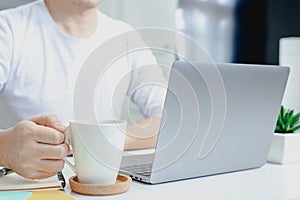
x=34, y=148
x=142, y=135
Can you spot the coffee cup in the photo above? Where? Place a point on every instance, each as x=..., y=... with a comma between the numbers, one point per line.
x=97, y=149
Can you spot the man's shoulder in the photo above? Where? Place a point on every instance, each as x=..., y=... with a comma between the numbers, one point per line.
x=20, y=13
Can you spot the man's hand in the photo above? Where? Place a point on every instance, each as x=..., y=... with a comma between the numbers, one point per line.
x=143, y=134
x=34, y=148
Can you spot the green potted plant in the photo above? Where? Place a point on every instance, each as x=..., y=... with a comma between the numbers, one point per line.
x=285, y=146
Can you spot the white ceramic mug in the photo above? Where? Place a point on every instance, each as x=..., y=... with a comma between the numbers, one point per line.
x=97, y=149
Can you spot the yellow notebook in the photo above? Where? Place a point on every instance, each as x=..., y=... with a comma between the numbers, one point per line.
x=50, y=195
x=14, y=182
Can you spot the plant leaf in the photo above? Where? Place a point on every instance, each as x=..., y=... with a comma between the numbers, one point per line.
x=284, y=116
x=286, y=128
x=294, y=129
x=294, y=119
x=282, y=111
x=280, y=123
x=278, y=129
x=287, y=116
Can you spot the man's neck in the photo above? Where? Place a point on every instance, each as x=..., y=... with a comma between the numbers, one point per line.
x=74, y=20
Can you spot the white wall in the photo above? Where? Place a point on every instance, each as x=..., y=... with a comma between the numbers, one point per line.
x=142, y=13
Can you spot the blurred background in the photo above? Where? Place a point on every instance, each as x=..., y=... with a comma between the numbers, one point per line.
x=242, y=31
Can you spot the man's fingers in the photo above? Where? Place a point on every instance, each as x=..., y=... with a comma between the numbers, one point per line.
x=51, y=166
x=39, y=175
x=48, y=136
x=45, y=120
x=53, y=152
x=49, y=121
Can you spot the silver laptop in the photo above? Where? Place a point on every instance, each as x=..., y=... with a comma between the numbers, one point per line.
x=217, y=118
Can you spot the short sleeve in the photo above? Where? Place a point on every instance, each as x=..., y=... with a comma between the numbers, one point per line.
x=148, y=85
x=5, y=50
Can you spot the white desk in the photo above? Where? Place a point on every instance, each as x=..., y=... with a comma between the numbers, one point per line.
x=270, y=182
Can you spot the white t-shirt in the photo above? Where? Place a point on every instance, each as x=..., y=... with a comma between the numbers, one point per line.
x=39, y=66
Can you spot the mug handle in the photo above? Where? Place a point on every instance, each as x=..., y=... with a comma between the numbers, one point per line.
x=72, y=166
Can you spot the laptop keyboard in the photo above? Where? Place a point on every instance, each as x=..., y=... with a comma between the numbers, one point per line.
x=143, y=169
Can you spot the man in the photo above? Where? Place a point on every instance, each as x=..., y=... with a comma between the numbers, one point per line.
x=42, y=47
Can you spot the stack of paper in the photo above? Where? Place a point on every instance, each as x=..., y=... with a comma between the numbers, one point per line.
x=14, y=182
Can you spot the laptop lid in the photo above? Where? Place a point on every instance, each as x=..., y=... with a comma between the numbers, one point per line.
x=217, y=118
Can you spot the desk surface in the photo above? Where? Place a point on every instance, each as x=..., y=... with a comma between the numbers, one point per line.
x=276, y=182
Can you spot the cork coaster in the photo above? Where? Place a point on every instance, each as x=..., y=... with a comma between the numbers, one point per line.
x=122, y=185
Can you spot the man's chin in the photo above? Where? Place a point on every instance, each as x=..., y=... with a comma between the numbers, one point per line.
x=87, y=4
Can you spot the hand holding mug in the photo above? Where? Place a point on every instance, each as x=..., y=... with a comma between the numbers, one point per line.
x=34, y=148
